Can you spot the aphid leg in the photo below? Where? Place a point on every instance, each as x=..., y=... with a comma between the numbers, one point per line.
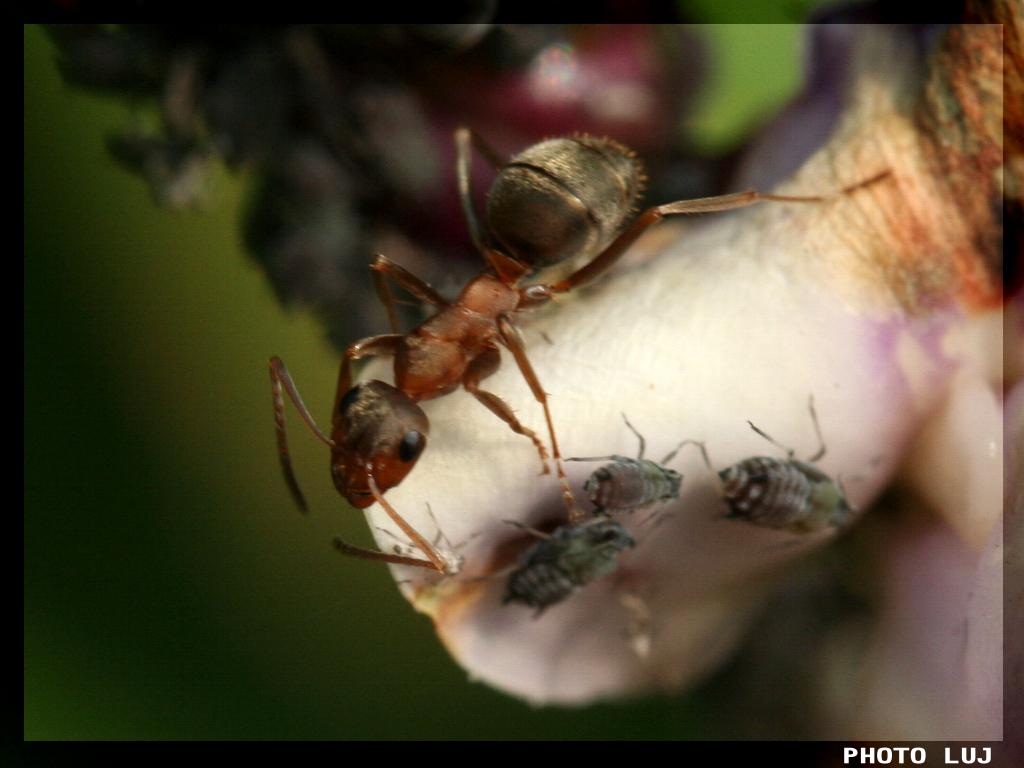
x=480, y=368
x=842, y=489
x=465, y=140
x=523, y=526
x=648, y=519
x=383, y=268
x=369, y=554
x=643, y=443
x=510, y=336
x=386, y=344
x=638, y=623
x=453, y=549
x=817, y=430
x=662, y=516
x=280, y=378
x=613, y=457
x=651, y=216
x=400, y=547
x=493, y=576
x=437, y=562
x=699, y=444
x=440, y=535
x=790, y=453
x=658, y=516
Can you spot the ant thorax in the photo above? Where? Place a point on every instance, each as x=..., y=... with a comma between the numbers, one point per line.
x=487, y=295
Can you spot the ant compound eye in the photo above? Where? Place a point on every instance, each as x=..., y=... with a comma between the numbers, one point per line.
x=350, y=397
x=411, y=446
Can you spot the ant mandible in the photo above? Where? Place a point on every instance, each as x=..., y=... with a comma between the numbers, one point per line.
x=562, y=198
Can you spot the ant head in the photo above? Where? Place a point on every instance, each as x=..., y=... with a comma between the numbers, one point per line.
x=379, y=432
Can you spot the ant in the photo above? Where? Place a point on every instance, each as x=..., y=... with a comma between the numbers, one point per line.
x=561, y=199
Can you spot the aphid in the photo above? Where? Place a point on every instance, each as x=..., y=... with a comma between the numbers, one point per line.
x=561, y=199
x=787, y=494
x=572, y=556
x=628, y=484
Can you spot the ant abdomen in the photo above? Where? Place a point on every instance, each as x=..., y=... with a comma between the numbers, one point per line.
x=562, y=198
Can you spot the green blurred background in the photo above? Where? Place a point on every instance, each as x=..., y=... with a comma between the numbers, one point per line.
x=171, y=590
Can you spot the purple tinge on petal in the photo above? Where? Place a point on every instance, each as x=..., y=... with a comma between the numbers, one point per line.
x=1013, y=575
x=804, y=125
x=933, y=670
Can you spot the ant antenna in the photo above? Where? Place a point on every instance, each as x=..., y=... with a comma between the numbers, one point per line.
x=281, y=379
x=368, y=554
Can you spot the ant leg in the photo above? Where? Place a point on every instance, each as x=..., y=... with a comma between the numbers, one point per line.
x=483, y=366
x=280, y=378
x=437, y=562
x=511, y=338
x=385, y=344
x=383, y=268
x=465, y=140
x=369, y=554
x=509, y=270
x=621, y=244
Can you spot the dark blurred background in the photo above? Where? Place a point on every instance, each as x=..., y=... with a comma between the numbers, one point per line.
x=171, y=590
